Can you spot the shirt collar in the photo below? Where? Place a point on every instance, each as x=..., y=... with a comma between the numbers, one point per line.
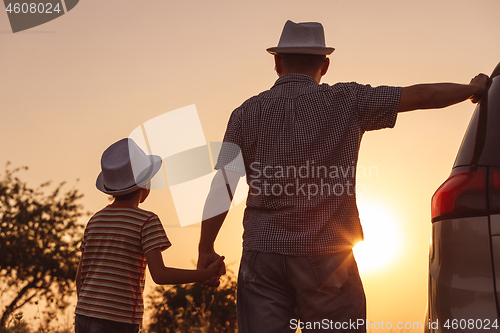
x=300, y=78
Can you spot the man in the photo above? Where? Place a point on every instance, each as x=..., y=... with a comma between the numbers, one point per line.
x=299, y=144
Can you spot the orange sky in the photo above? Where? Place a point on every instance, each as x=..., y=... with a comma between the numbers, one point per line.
x=75, y=85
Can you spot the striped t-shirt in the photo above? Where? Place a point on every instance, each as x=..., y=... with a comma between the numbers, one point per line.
x=114, y=262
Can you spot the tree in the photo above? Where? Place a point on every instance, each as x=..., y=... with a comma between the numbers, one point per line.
x=38, y=243
x=195, y=308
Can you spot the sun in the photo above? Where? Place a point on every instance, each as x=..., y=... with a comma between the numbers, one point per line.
x=382, y=237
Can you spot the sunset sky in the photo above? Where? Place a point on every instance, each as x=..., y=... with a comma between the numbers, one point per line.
x=75, y=85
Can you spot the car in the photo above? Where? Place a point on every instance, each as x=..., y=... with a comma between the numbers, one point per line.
x=464, y=255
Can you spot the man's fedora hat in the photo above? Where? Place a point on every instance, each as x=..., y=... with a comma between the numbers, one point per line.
x=302, y=38
x=125, y=168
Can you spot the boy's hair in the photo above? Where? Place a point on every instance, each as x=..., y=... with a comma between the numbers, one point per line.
x=302, y=62
x=126, y=196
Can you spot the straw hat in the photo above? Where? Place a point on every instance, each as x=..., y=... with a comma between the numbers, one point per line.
x=302, y=38
x=125, y=168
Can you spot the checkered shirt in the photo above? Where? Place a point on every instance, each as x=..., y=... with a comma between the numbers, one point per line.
x=300, y=142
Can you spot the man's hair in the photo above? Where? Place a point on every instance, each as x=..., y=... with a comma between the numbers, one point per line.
x=302, y=62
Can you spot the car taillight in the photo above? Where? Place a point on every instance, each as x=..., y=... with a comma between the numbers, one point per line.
x=462, y=194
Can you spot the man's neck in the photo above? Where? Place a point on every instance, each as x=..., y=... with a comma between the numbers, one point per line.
x=316, y=76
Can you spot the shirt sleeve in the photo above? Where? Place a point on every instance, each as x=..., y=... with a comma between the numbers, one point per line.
x=84, y=238
x=153, y=235
x=230, y=156
x=82, y=245
x=377, y=107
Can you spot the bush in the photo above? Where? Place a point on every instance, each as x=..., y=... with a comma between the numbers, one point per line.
x=39, y=235
x=195, y=308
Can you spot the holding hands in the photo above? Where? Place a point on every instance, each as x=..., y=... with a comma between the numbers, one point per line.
x=215, y=264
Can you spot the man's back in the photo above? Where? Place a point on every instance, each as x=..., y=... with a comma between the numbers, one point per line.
x=300, y=143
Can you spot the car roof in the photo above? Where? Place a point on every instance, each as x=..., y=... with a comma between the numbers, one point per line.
x=481, y=143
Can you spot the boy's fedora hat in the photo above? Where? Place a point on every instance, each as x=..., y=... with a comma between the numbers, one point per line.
x=125, y=168
x=302, y=38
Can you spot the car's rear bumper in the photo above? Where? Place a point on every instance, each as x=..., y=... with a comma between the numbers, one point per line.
x=461, y=277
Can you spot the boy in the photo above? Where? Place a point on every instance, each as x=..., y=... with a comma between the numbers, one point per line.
x=119, y=241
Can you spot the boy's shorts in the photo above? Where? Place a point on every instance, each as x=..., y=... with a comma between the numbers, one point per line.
x=84, y=324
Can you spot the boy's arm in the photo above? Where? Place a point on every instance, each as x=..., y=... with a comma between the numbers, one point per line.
x=169, y=275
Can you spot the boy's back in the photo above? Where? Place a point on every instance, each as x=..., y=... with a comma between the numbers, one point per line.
x=114, y=263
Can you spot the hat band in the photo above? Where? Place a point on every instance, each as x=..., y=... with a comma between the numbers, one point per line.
x=120, y=189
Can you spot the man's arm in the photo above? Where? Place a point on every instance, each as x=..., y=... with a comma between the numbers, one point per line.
x=215, y=211
x=440, y=95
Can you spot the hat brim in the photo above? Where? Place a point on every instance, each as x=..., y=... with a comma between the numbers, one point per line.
x=318, y=50
x=157, y=161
